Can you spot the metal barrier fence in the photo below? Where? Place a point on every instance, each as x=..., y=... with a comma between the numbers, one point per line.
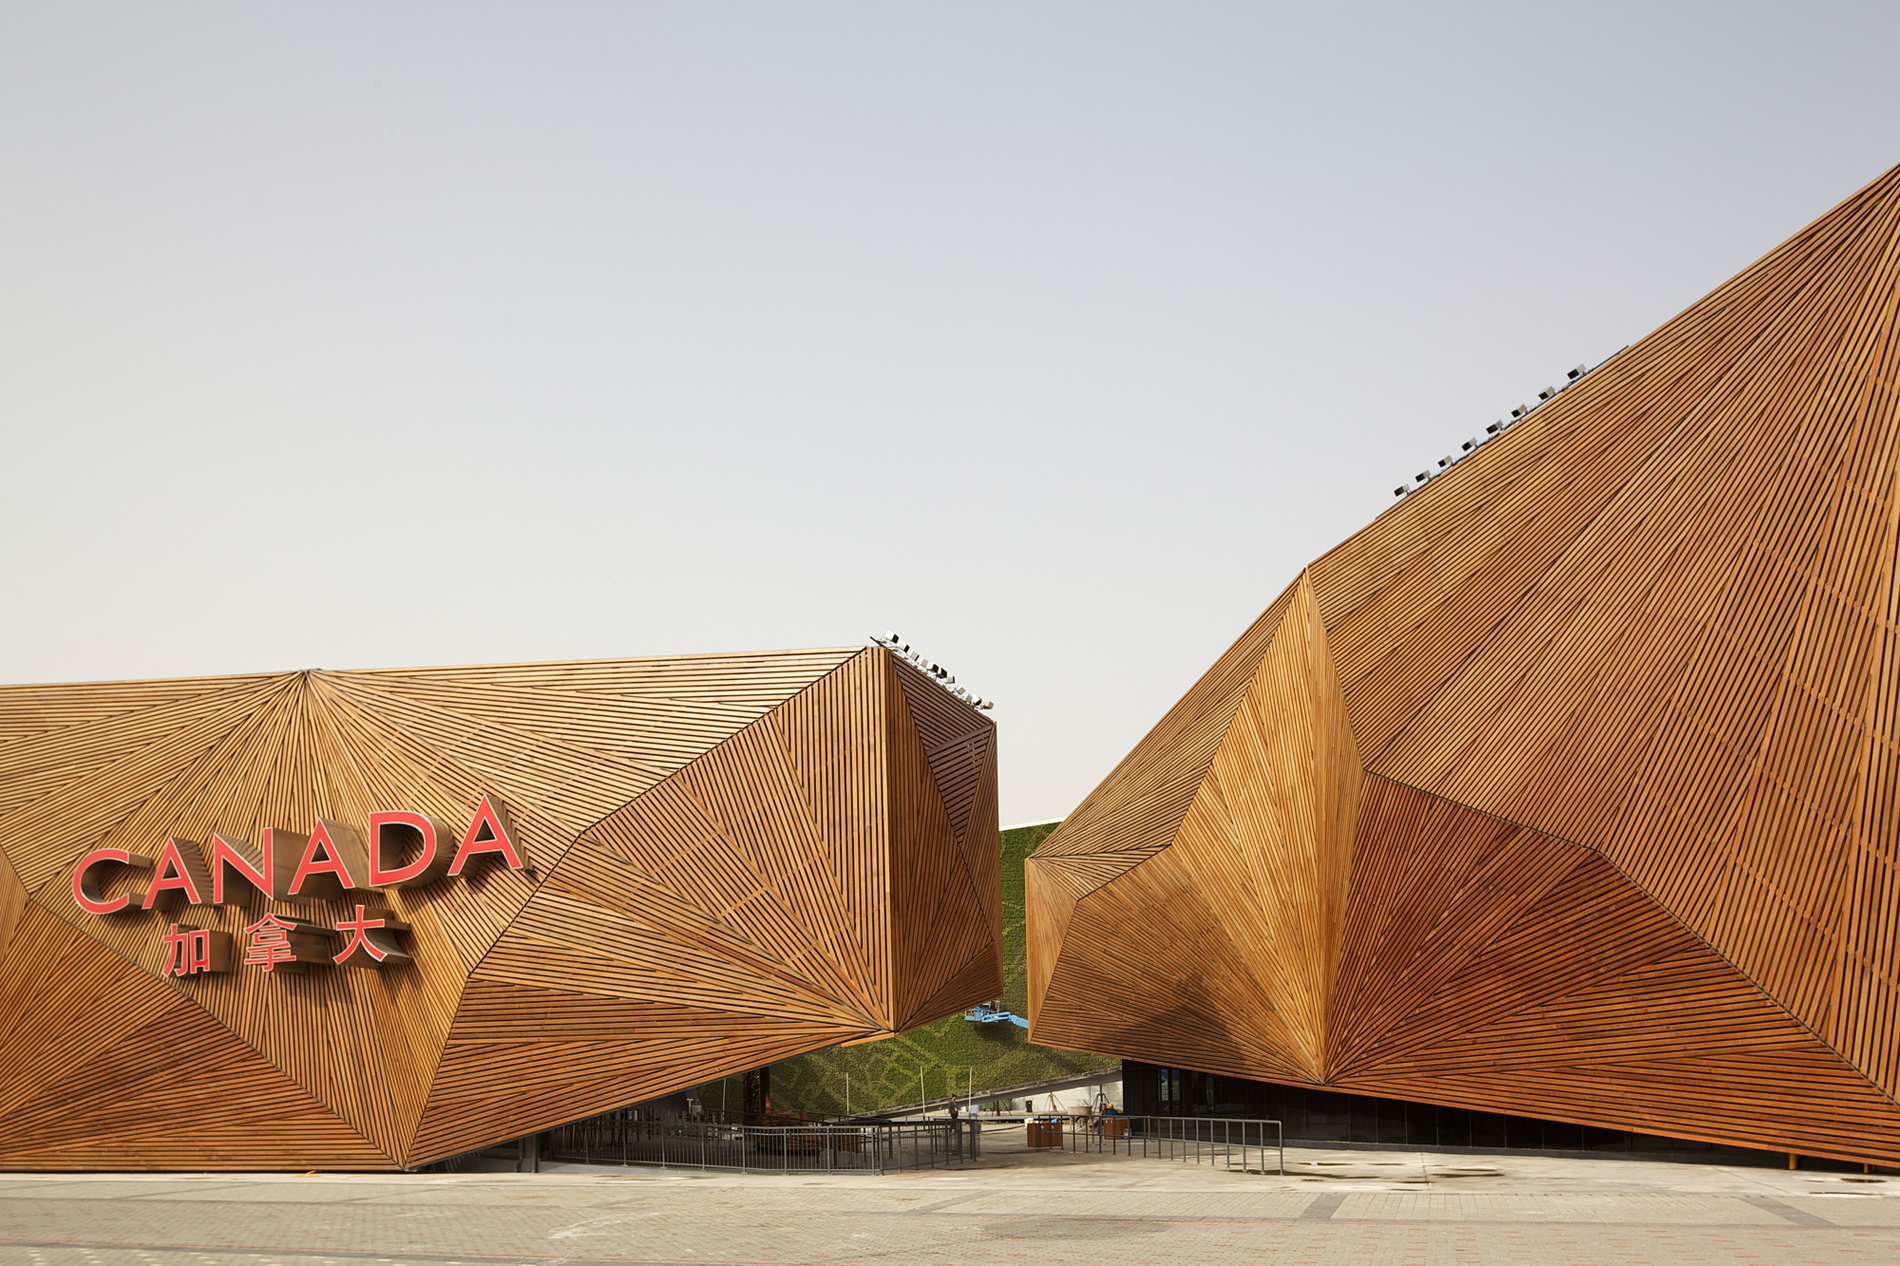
x=881, y=1147
x=1235, y=1142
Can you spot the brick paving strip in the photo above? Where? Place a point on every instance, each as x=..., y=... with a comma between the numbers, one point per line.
x=1009, y=1213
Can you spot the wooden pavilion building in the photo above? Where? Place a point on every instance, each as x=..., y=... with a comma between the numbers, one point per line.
x=1569, y=787
x=366, y=920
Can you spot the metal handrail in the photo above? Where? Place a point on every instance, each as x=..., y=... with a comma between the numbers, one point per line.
x=880, y=1147
x=1218, y=1139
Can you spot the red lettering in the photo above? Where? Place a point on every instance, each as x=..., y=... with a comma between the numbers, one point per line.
x=270, y=942
x=342, y=858
x=423, y=834
x=356, y=927
x=181, y=868
x=492, y=831
x=262, y=879
x=202, y=956
x=176, y=958
x=86, y=890
x=374, y=937
x=193, y=950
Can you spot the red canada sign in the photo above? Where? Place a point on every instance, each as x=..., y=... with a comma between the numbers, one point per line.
x=334, y=861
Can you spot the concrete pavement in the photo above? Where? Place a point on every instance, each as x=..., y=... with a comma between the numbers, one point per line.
x=1013, y=1207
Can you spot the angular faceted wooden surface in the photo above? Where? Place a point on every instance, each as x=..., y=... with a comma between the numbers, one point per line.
x=737, y=858
x=1634, y=656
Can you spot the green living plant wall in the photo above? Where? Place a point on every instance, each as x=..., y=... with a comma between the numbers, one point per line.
x=951, y=1055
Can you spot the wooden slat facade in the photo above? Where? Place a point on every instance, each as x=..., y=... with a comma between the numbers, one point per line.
x=1570, y=787
x=735, y=859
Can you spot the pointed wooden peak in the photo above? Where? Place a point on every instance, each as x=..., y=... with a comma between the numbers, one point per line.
x=1266, y=842
x=1749, y=439
x=1140, y=805
x=1658, y=617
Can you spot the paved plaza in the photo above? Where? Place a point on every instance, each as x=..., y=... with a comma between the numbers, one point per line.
x=1012, y=1208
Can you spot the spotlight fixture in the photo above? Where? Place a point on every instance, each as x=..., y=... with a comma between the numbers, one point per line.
x=931, y=669
x=1498, y=428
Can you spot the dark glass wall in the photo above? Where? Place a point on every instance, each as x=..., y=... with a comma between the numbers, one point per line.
x=1314, y=1114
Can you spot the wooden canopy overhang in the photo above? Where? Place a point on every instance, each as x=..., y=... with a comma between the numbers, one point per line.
x=711, y=862
x=1570, y=787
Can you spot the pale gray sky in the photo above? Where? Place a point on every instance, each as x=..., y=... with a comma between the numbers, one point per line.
x=1057, y=337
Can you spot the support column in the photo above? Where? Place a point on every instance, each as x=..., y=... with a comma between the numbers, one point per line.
x=756, y=1098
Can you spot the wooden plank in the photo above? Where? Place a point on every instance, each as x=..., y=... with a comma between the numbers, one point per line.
x=1637, y=654
x=712, y=839
x=944, y=899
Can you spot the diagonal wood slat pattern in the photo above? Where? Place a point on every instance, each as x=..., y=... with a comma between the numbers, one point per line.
x=1636, y=654
x=941, y=904
x=724, y=871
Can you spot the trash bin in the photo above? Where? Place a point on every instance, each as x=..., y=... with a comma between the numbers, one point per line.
x=1045, y=1133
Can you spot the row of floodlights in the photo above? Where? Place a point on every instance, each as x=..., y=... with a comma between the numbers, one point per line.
x=1497, y=428
x=931, y=669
